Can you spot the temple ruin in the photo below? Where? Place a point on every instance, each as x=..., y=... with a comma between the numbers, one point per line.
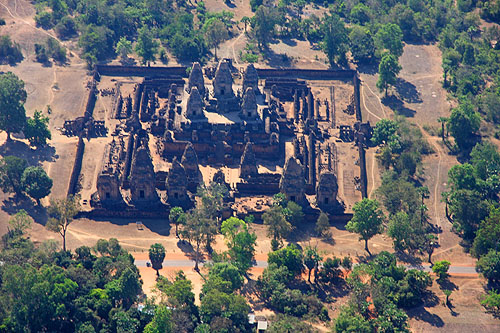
x=258, y=132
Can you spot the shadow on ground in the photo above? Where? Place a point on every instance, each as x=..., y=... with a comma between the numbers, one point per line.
x=407, y=91
x=421, y=313
x=397, y=105
x=31, y=155
x=13, y=204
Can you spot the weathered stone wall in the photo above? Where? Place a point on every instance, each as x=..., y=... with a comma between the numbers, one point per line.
x=77, y=167
x=111, y=70
x=318, y=74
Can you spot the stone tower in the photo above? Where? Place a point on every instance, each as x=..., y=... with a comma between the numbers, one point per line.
x=223, y=81
x=142, y=177
x=196, y=79
x=194, y=105
x=292, y=182
x=108, y=188
x=249, y=105
x=251, y=79
x=177, y=184
x=248, y=163
x=189, y=162
x=326, y=189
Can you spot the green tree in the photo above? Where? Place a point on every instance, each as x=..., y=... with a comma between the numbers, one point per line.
x=11, y=173
x=227, y=272
x=443, y=121
x=156, y=256
x=322, y=225
x=335, y=40
x=215, y=33
x=278, y=226
x=312, y=259
x=489, y=266
x=245, y=20
x=440, y=268
x=291, y=257
x=241, y=248
x=385, y=131
x=177, y=216
x=492, y=301
x=361, y=44
x=463, y=124
x=162, y=321
x=350, y=321
x=36, y=183
x=293, y=213
x=12, y=99
x=389, y=37
x=263, y=23
x=231, y=226
x=20, y=222
x=37, y=131
x=123, y=47
x=399, y=229
x=488, y=234
x=198, y=229
x=62, y=212
x=429, y=244
x=225, y=312
x=146, y=46
x=388, y=71
x=367, y=220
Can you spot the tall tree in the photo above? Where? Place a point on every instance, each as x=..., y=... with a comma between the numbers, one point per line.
x=156, y=256
x=146, y=46
x=198, y=229
x=278, y=226
x=123, y=47
x=177, y=216
x=36, y=183
x=215, y=33
x=335, y=39
x=389, y=37
x=20, y=222
x=463, y=124
x=311, y=260
x=367, y=220
x=62, y=212
x=263, y=23
x=443, y=121
x=322, y=225
x=12, y=99
x=388, y=70
x=11, y=173
x=37, y=131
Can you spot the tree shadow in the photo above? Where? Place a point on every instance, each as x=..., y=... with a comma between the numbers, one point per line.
x=301, y=233
x=408, y=258
x=32, y=156
x=185, y=246
x=276, y=60
x=369, y=69
x=407, y=91
x=154, y=225
x=230, y=4
x=289, y=42
x=14, y=204
x=422, y=314
x=446, y=284
x=398, y=106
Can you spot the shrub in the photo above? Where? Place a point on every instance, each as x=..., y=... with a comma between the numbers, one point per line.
x=10, y=52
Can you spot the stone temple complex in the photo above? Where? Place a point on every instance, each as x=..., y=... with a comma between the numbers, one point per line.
x=256, y=131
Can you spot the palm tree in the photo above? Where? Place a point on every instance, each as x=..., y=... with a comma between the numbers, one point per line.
x=156, y=256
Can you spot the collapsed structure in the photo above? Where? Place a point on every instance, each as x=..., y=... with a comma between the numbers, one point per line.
x=275, y=131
